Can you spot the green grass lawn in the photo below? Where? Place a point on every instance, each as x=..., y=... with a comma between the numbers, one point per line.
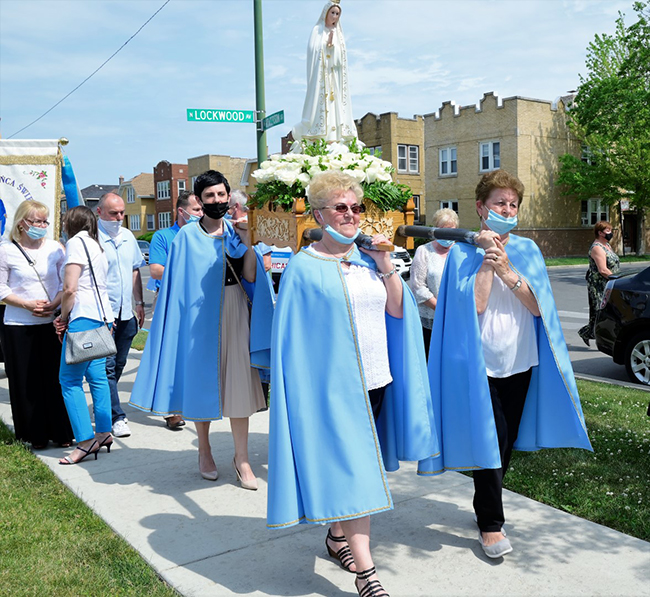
x=608, y=486
x=51, y=543
x=551, y=261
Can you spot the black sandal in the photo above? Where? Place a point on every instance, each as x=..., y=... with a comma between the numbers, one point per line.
x=372, y=588
x=343, y=555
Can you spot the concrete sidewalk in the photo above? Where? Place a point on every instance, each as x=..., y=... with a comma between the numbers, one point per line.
x=210, y=538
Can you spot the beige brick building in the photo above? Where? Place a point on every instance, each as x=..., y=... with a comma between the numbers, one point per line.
x=400, y=141
x=139, y=201
x=231, y=168
x=525, y=137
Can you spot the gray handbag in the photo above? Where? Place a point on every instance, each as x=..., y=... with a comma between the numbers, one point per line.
x=90, y=344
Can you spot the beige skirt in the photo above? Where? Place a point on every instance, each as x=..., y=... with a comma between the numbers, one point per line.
x=241, y=389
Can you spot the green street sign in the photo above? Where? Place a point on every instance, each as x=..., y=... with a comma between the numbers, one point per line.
x=199, y=115
x=273, y=120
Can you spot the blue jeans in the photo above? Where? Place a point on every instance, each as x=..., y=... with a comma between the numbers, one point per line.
x=124, y=333
x=71, y=378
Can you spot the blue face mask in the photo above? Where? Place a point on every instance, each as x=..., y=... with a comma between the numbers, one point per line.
x=36, y=233
x=340, y=238
x=500, y=224
x=445, y=243
x=189, y=218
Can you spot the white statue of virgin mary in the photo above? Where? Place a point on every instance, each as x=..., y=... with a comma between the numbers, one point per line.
x=327, y=113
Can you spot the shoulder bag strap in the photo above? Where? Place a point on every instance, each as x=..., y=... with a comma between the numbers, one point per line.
x=32, y=263
x=92, y=274
x=234, y=273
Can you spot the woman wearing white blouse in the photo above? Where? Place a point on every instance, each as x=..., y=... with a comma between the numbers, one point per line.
x=30, y=285
x=426, y=272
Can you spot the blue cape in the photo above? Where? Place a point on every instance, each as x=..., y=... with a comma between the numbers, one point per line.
x=552, y=416
x=179, y=371
x=325, y=454
x=262, y=319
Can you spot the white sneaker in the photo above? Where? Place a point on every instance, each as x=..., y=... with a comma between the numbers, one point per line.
x=121, y=428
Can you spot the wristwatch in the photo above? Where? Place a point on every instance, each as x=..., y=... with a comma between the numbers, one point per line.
x=139, y=303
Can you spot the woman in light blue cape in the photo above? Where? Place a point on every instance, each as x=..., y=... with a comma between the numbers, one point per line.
x=197, y=362
x=349, y=390
x=494, y=390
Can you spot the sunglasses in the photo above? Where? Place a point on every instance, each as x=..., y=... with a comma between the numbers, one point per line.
x=342, y=208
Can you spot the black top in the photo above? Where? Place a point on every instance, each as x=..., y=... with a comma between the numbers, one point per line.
x=237, y=265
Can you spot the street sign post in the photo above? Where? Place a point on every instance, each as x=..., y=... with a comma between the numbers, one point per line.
x=200, y=115
x=273, y=120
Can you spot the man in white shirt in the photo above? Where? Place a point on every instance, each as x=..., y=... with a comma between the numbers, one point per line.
x=123, y=283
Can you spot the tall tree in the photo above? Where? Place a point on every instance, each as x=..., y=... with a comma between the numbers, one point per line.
x=610, y=117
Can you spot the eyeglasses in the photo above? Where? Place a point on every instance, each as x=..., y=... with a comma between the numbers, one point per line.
x=342, y=208
x=39, y=223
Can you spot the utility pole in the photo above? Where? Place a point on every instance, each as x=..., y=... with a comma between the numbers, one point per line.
x=259, y=81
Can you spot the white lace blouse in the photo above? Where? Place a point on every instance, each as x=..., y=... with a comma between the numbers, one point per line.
x=426, y=273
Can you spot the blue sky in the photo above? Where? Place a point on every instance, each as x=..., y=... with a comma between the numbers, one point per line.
x=405, y=56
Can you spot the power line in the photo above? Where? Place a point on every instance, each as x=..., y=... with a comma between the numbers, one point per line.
x=94, y=72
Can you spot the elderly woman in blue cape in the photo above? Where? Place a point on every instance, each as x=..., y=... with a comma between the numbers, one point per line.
x=197, y=359
x=327, y=112
x=498, y=364
x=349, y=389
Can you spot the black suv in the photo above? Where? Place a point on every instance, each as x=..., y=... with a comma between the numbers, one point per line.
x=623, y=324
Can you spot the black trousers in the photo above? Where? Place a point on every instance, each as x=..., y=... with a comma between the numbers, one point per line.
x=376, y=400
x=426, y=333
x=32, y=359
x=508, y=397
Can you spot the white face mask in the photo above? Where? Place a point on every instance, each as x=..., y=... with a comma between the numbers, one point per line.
x=111, y=227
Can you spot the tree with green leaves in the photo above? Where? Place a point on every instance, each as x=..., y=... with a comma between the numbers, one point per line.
x=610, y=118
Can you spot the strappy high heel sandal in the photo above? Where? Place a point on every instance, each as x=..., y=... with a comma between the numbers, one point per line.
x=343, y=555
x=94, y=449
x=107, y=442
x=372, y=588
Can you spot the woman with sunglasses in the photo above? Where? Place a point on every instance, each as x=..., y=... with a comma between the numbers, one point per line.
x=30, y=285
x=349, y=389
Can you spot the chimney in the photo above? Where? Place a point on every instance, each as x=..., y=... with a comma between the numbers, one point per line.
x=121, y=179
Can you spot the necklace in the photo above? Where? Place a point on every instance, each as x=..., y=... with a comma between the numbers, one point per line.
x=344, y=256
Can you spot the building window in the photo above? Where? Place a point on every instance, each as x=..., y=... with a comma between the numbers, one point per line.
x=163, y=190
x=130, y=195
x=449, y=205
x=376, y=151
x=151, y=222
x=594, y=211
x=490, y=156
x=193, y=181
x=416, y=208
x=408, y=159
x=181, y=185
x=448, y=163
x=134, y=223
x=164, y=219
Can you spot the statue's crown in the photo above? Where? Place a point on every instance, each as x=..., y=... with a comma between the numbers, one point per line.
x=335, y=1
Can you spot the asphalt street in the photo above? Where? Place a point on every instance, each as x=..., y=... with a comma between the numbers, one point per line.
x=570, y=291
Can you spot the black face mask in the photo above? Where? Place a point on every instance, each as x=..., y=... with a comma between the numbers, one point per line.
x=215, y=211
x=609, y=236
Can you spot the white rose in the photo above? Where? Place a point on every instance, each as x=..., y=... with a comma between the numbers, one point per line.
x=288, y=175
x=303, y=179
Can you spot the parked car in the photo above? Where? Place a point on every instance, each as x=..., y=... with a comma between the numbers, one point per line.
x=144, y=248
x=623, y=324
x=402, y=261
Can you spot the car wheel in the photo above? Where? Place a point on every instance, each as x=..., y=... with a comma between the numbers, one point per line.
x=637, y=358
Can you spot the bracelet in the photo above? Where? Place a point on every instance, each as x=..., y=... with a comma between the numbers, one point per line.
x=386, y=275
x=517, y=284
x=139, y=303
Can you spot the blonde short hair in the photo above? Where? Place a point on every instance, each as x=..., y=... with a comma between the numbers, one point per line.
x=25, y=210
x=445, y=216
x=324, y=186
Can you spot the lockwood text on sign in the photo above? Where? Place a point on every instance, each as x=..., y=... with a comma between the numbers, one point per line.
x=198, y=115
x=273, y=120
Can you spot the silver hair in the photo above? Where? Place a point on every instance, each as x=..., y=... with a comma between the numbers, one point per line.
x=238, y=197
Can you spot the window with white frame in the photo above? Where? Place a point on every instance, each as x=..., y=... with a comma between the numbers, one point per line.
x=594, y=211
x=134, y=223
x=151, y=222
x=130, y=195
x=448, y=163
x=164, y=219
x=449, y=205
x=408, y=159
x=490, y=156
x=181, y=185
x=163, y=190
x=416, y=208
